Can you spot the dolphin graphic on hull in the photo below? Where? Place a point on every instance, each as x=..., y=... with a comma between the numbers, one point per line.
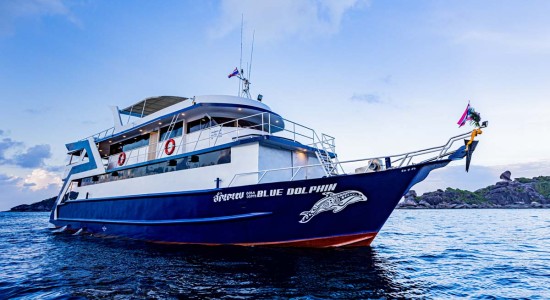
x=333, y=201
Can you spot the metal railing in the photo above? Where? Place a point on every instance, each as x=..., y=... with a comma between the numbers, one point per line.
x=361, y=165
x=217, y=134
x=102, y=134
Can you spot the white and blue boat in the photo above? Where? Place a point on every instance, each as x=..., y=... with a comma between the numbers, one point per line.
x=227, y=170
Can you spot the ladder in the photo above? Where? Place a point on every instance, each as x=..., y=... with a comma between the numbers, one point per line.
x=170, y=129
x=330, y=165
x=172, y=125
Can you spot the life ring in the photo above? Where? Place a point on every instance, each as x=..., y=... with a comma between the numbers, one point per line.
x=121, y=159
x=169, y=146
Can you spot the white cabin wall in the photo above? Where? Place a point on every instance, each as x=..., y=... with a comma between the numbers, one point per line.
x=275, y=158
x=299, y=159
x=244, y=158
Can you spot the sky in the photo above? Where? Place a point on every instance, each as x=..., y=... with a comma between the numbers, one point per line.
x=383, y=77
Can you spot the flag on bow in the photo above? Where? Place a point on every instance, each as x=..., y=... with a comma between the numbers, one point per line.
x=471, y=115
x=234, y=73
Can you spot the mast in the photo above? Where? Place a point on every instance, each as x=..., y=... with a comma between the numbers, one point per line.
x=244, y=83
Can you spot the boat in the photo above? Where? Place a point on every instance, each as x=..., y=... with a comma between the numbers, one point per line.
x=228, y=170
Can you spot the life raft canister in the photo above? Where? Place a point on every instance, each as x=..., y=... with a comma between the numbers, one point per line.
x=169, y=146
x=121, y=159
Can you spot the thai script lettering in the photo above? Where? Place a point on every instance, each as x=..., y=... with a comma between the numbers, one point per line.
x=219, y=197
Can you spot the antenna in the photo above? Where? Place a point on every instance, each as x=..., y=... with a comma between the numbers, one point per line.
x=251, y=52
x=244, y=83
x=241, y=59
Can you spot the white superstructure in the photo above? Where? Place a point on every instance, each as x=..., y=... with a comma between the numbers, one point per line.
x=173, y=144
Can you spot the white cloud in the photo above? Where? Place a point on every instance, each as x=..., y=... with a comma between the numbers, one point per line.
x=41, y=179
x=275, y=20
x=17, y=190
x=12, y=10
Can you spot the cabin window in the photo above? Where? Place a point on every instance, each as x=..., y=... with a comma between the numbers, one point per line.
x=214, y=121
x=130, y=144
x=183, y=163
x=176, y=131
x=199, y=124
x=227, y=122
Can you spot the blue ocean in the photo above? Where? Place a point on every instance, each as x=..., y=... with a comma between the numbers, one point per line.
x=419, y=254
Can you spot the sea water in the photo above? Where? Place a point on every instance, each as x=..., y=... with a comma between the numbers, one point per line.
x=482, y=254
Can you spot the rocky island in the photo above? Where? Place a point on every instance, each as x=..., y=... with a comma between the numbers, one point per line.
x=508, y=193
x=44, y=205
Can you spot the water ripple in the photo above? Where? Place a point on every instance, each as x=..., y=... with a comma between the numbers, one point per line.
x=478, y=254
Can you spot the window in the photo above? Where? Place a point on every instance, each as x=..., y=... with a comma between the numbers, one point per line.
x=176, y=131
x=130, y=144
x=207, y=122
x=198, y=124
x=183, y=163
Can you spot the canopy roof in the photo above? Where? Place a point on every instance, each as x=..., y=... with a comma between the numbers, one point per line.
x=151, y=105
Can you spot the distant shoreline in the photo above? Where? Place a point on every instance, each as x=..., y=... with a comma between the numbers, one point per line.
x=520, y=193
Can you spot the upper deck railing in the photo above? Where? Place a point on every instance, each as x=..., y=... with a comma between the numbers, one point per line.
x=217, y=134
x=102, y=134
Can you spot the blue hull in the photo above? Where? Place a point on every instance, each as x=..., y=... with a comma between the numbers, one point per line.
x=346, y=210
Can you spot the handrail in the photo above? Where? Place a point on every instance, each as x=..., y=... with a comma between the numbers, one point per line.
x=323, y=143
x=101, y=134
x=293, y=130
x=407, y=156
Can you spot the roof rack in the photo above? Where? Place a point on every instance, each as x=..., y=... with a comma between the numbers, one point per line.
x=151, y=105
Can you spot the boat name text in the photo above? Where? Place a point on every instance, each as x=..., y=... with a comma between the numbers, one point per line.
x=221, y=197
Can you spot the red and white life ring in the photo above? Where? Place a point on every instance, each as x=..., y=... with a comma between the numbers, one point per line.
x=169, y=146
x=121, y=159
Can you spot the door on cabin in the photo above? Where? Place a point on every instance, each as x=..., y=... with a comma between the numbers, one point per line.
x=153, y=143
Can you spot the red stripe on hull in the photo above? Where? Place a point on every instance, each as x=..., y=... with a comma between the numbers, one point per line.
x=348, y=241
x=354, y=240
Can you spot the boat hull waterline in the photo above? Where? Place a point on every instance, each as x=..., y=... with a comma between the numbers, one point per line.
x=336, y=211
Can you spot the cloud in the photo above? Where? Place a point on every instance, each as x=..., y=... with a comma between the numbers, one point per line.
x=13, y=10
x=6, y=180
x=40, y=179
x=276, y=20
x=37, y=111
x=369, y=98
x=7, y=144
x=32, y=157
x=37, y=186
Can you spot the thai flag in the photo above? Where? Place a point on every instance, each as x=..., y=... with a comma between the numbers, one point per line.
x=465, y=116
x=234, y=73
